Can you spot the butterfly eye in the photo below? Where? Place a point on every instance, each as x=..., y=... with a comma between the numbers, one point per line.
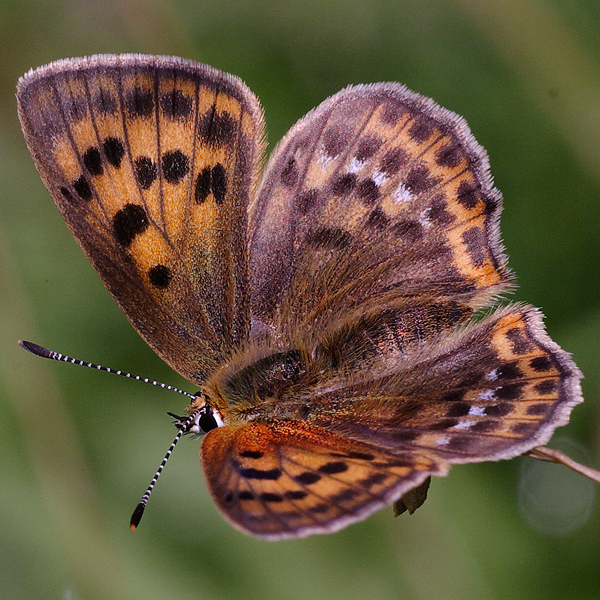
x=206, y=420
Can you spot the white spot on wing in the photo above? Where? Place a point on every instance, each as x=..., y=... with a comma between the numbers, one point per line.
x=401, y=195
x=324, y=160
x=379, y=178
x=424, y=218
x=477, y=411
x=355, y=165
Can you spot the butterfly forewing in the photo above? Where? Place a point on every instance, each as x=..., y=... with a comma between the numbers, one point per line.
x=377, y=198
x=151, y=161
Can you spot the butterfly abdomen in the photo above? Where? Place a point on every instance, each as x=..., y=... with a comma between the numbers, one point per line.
x=372, y=341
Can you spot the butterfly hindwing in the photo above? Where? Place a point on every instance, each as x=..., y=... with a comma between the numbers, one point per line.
x=291, y=480
x=151, y=161
x=377, y=198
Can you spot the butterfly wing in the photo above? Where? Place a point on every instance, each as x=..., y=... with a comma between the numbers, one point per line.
x=358, y=439
x=492, y=390
x=378, y=197
x=282, y=481
x=151, y=161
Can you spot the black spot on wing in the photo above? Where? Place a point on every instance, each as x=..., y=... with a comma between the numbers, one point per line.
x=344, y=184
x=93, y=161
x=541, y=363
x=344, y=496
x=509, y=371
x=203, y=185
x=335, y=140
x=520, y=343
x=468, y=195
x=367, y=147
x=175, y=166
x=486, y=426
x=82, y=187
x=307, y=200
x=391, y=112
x=160, y=276
x=474, y=239
x=216, y=129
x=251, y=454
x=140, y=102
x=450, y=155
x=421, y=129
x=371, y=480
x=444, y=424
x=437, y=211
x=307, y=478
x=406, y=435
x=114, y=151
x=211, y=180
x=510, y=391
x=270, y=474
x=378, y=219
x=419, y=179
x=269, y=497
x=145, y=171
x=128, y=223
x=458, y=409
x=549, y=386
x=392, y=161
x=104, y=102
x=67, y=193
x=368, y=191
x=538, y=409
x=175, y=104
x=295, y=494
x=333, y=467
x=411, y=231
x=499, y=410
x=219, y=183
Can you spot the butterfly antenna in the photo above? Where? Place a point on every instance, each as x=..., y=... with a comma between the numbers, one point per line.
x=184, y=426
x=45, y=353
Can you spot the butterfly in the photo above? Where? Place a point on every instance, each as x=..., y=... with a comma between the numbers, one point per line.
x=326, y=308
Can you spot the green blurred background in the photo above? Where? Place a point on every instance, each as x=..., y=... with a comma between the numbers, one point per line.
x=78, y=447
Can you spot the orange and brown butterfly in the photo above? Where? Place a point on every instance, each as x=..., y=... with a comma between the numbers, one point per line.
x=324, y=307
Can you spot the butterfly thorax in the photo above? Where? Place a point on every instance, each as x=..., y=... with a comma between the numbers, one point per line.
x=261, y=388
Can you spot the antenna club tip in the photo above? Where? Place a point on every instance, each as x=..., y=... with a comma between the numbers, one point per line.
x=26, y=345
x=137, y=515
x=35, y=349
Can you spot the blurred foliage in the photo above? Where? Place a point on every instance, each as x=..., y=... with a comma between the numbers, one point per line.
x=79, y=447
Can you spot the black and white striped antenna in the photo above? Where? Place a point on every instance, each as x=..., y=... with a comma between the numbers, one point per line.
x=45, y=353
x=182, y=423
